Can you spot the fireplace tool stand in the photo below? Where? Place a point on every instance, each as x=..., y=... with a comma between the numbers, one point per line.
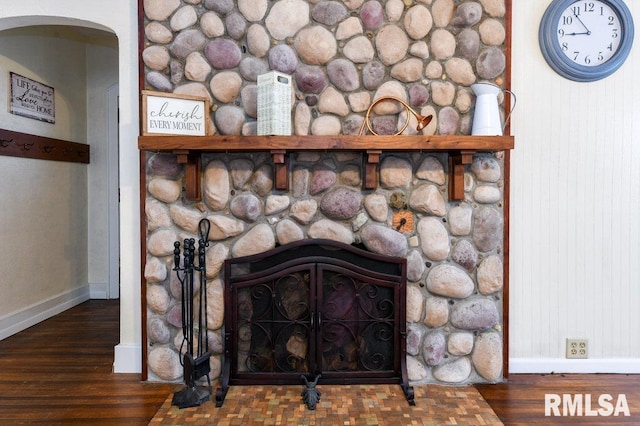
x=195, y=361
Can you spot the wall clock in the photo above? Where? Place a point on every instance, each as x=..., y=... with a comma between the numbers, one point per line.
x=586, y=40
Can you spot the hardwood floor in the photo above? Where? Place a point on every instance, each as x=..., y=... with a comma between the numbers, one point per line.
x=59, y=371
x=521, y=401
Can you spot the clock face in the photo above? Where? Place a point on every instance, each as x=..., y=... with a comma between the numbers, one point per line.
x=586, y=40
x=589, y=32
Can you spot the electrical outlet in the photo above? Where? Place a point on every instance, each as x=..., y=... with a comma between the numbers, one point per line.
x=577, y=348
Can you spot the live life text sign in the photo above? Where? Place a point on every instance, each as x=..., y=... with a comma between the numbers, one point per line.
x=170, y=114
x=32, y=99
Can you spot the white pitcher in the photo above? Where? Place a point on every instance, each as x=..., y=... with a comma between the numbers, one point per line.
x=486, y=118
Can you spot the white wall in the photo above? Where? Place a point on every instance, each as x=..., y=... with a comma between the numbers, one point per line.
x=575, y=210
x=119, y=17
x=43, y=258
x=102, y=74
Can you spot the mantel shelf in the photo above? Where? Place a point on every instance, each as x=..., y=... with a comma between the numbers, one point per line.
x=321, y=143
x=460, y=149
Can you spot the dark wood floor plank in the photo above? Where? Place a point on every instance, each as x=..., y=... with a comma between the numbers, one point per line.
x=521, y=401
x=60, y=371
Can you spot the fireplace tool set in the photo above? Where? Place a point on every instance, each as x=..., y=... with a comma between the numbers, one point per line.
x=195, y=361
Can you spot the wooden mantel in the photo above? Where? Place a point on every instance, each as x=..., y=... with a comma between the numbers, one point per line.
x=460, y=149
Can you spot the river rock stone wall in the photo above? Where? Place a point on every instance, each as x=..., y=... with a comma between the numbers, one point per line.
x=453, y=249
x=343, y=55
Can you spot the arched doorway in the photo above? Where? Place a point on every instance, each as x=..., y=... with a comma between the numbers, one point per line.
x=65, y=247
x=117, y=18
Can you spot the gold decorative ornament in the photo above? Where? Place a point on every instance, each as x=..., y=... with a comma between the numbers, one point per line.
x=422, y=120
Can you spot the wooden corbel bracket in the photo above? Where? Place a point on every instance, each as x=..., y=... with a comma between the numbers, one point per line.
x=193, y=169
x=458, y=160
x=192, y=179
x=281, y=169
x=460, y=149
x=371, y=168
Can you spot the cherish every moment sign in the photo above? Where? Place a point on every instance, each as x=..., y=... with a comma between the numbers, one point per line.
x=168, y=114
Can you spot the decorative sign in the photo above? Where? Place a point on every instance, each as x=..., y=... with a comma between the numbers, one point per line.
x=171, y=114
x=32, y=99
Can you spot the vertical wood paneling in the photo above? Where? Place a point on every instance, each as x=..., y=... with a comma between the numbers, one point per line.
x=575, y=204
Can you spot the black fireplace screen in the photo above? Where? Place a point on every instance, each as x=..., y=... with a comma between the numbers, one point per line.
x=276, y=324
x=314, y=308
x=274, y=321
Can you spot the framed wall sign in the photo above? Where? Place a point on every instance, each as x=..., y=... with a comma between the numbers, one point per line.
x=171, y=114
x=31, y=99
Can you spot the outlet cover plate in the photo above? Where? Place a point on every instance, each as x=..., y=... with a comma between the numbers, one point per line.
x=577, y=349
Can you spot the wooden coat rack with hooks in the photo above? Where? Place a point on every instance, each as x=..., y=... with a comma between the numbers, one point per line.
x=17, y=144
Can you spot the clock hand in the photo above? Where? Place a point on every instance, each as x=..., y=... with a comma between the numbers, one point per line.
x=582, y=23
x=572, y=34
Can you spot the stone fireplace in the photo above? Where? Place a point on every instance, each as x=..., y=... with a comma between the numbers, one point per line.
x=453, y=249
x=437, y=200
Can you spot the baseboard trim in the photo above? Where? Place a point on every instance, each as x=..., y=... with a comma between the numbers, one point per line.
x=99, y=290
x=577, y=366
x=127, y=358
x=20, y=320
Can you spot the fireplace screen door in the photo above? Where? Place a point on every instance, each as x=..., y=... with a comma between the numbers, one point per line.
x=314, y=307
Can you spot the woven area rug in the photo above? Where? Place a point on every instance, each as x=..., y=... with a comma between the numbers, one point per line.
x=339, y=405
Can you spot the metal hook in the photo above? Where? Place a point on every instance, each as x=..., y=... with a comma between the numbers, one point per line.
x=203, y=230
